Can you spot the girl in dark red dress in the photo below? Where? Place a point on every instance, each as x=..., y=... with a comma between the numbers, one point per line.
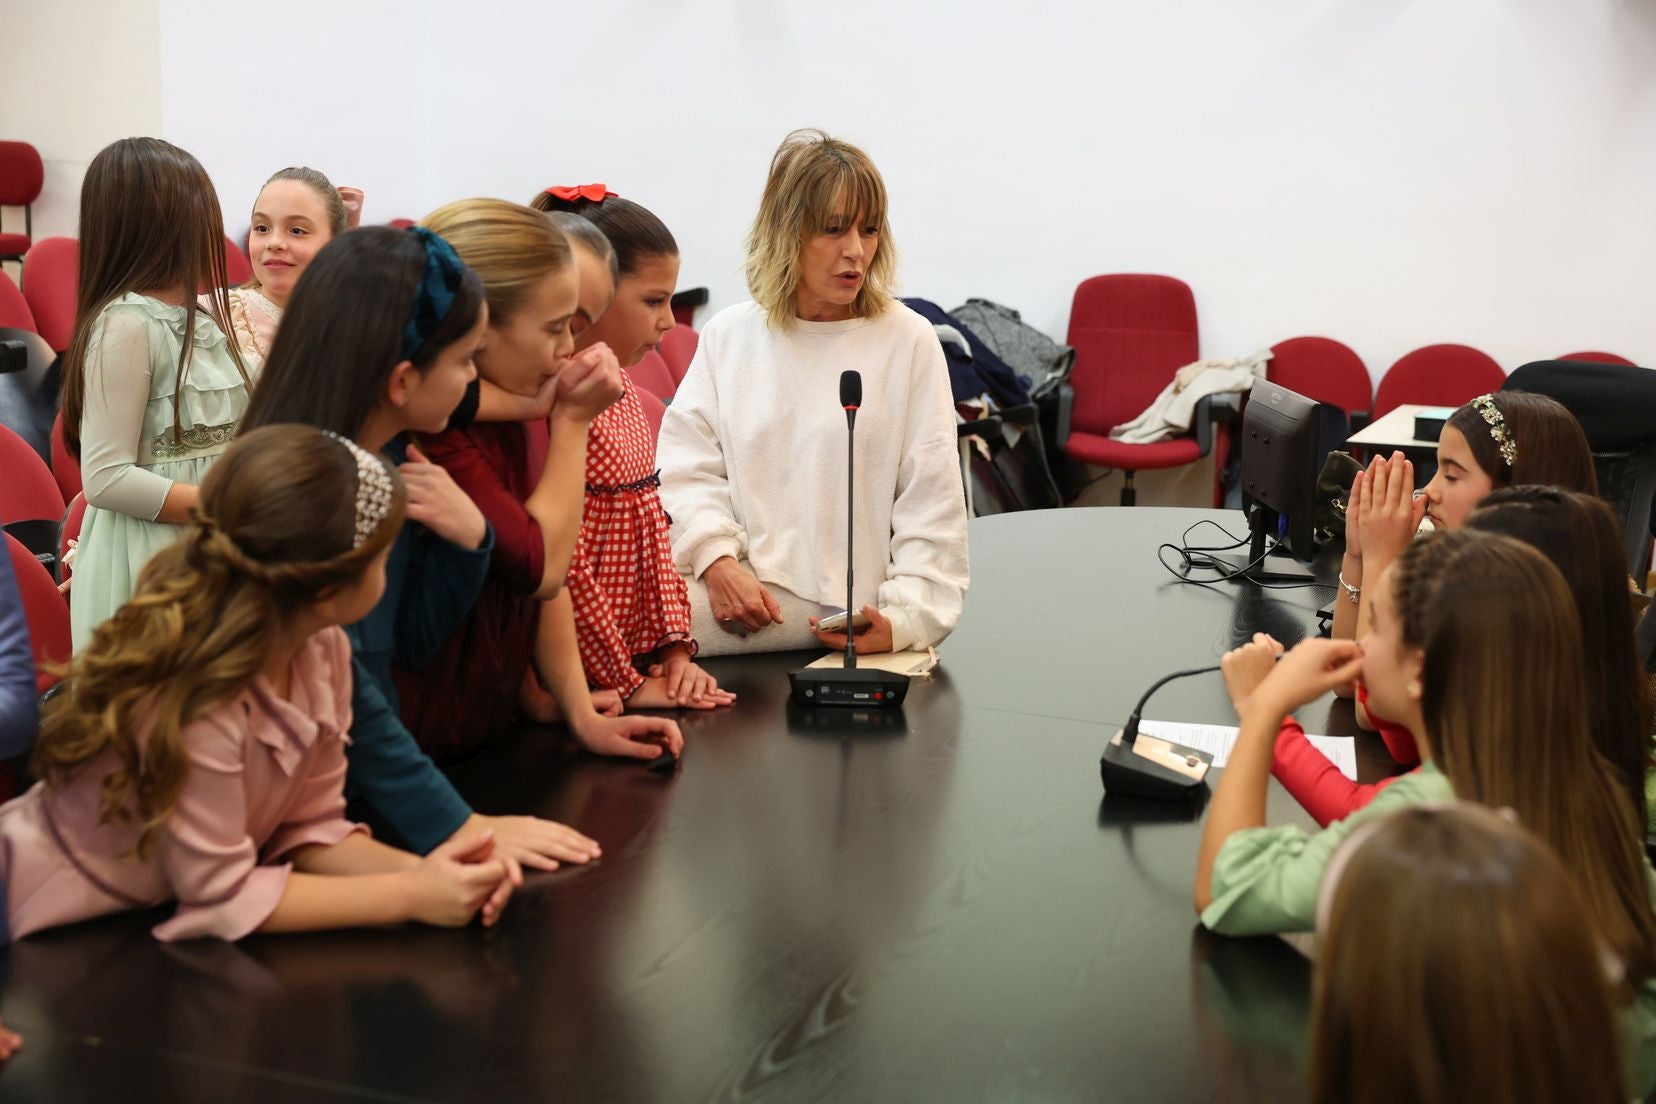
x=630, y=605
x=527, y=479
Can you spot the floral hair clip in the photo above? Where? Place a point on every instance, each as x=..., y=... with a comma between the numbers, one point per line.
x=1485, y=405
x=595, y=193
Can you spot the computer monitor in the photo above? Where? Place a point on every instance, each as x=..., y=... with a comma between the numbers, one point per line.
x=1280, y=437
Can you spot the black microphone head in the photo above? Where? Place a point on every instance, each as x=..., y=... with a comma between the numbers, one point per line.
x=851, y=389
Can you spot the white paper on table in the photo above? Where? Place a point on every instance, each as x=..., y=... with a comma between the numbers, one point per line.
x=1217, y=741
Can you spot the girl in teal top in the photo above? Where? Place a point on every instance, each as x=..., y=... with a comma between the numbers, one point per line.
x=152, y=390
x=1475, y=644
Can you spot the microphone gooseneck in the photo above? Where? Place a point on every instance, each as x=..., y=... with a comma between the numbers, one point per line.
x=1129, y=732
x=851, y=399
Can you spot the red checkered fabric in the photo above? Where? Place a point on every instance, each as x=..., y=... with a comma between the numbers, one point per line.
x=628, y=596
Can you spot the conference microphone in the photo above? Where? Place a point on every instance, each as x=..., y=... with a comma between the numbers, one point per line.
x=1148, y=766
x=866, y=688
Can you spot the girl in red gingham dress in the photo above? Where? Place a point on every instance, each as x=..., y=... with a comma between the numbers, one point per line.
x=630, y=604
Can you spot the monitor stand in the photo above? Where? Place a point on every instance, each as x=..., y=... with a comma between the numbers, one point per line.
x=1279, y=566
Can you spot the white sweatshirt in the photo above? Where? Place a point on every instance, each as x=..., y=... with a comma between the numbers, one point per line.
x=753, y=450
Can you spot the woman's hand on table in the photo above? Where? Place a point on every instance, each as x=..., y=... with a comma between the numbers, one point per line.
x=876, y=637
x=738, y=599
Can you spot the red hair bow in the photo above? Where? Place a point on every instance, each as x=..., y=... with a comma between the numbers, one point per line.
x=597, y=193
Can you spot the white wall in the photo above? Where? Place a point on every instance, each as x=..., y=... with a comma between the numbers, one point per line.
x=1391, y=173
x=78, y=74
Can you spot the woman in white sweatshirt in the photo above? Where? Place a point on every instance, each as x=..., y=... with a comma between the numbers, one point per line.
x=752, y=449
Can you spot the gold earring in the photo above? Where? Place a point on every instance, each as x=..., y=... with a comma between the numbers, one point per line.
x=1414, y=689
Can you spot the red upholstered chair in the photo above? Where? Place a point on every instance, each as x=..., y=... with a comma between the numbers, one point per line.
x=45, y=610
x=654, y=411
x=73, y=519
x=1438, y=375
x=65, y=469
x=1323, y=369
x=27, y=491
x=49, y=274
x=652, y=374
x=14, y=309
x=237, y=268
x=21, y=178
x=1130, y=333
x=1599, y=358
x=678, y=349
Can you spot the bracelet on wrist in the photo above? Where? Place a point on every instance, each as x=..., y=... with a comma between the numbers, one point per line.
x=1352, y=592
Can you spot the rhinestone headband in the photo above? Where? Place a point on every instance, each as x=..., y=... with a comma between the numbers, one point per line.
x=374, y=491
x=1485, y=405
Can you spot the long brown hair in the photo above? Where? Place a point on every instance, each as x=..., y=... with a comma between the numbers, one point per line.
x=149, y=220
x=1582, y=538
x=1504, y=701
x=814, y=177
x=1552, y=448
x=1458, y=964
x=272, y=534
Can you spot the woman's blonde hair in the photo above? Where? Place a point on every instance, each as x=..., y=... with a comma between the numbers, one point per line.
x=273, y=533
x=511, y=248
x=1457, y=963
x=814, y=180
x=1505, y=704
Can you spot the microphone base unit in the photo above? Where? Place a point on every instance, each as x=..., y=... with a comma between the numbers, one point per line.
x=862, y=688
x=1152, y=767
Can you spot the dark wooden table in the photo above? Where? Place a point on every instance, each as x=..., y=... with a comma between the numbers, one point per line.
x=932, y=906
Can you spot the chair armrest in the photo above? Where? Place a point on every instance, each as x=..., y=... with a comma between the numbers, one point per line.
x=1226, y=408
x=14, y=357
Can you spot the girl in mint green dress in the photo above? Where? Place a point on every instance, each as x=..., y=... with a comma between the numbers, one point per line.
x=152, y=389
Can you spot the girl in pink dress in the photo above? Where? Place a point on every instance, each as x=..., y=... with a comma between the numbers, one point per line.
x=631, y=607
x=298, y=212
x=198, y=754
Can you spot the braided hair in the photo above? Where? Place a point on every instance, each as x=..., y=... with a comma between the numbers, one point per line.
x=275, y=532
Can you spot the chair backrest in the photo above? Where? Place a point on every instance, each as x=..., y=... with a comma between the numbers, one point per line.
x=1616, y=406
x=45, y=609
x=27, y=492
x=65, y=468
x=654, y=411
x=22, y=174
x=14, y=309
x=1130, y=333
x=73, y=519
x=49, y=274
x=678, y=349
x=237, y=268
x=1323, y=369
x=652, y=374
x=1438, y=375
x=1598, y=358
